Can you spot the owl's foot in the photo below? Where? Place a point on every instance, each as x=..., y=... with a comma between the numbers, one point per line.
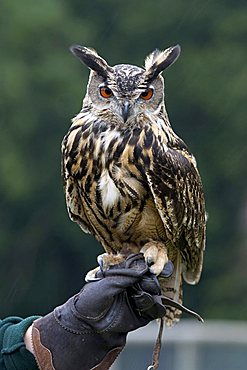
x=155, y=254
x=105, y=260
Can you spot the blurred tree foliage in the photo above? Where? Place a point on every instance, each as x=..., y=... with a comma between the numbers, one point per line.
x=43, y=256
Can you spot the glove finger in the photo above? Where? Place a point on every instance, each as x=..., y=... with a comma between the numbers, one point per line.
x=148, y=305
x=149, y=284
x=167, y=270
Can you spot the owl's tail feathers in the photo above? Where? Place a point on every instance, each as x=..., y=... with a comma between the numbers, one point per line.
x=172, y=288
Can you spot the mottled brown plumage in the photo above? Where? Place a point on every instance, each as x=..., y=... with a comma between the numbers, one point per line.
x=129, y=179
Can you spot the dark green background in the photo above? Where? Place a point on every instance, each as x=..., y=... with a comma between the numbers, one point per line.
x=43, y=255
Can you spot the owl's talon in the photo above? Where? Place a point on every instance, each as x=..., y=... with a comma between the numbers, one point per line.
x=149, y=261
x=100, y=260
x=91, y=275
x=101, y=263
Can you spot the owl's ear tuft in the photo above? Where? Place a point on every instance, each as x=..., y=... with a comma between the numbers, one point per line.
x=158, y=60
x=90, y=57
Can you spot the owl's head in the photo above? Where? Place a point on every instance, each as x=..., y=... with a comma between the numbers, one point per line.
x=126, y=90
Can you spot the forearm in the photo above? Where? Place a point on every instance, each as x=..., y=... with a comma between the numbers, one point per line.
x=28, y=339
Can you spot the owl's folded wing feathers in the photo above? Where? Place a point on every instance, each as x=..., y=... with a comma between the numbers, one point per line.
x=72, y=189
x=177, y=190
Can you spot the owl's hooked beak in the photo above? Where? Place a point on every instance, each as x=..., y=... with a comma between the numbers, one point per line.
x=125, y=110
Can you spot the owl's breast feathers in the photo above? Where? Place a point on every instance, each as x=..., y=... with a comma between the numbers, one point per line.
x=134, y=184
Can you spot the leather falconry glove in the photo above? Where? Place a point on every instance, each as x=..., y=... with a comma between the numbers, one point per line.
x=90, y=329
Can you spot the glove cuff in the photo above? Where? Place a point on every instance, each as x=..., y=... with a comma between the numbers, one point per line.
x=56, y=347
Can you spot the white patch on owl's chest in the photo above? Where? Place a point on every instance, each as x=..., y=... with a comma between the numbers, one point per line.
x=109, y=192
x=107, y=137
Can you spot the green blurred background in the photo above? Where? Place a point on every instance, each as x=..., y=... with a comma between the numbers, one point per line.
x=43, y=255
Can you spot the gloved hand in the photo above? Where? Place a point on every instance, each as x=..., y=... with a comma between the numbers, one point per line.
x=90, y=329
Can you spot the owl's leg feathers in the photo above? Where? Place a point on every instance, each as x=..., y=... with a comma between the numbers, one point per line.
x=155, y=254
x=172, y=288
x=106, y=260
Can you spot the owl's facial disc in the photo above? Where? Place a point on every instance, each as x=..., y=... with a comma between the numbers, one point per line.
x=124, y=94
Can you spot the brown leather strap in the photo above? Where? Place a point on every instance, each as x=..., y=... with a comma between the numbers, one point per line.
x=157, y=348
x=108, y=359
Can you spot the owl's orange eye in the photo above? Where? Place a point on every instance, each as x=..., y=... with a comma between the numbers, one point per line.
x=147, y=94
x=105, y=92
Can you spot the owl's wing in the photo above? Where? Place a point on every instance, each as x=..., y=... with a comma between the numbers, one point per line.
x=74, y=204
x=72, y=189
x=178, y=194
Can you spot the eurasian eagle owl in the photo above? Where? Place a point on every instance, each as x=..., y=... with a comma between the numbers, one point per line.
x=129, y=179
